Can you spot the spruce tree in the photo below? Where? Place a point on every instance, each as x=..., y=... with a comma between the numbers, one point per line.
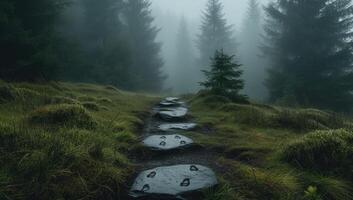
x=28, y=39
x=184, y=69
x=106, y=43
x=310, y=43
x=250, y=52
x=224, y=78
x=147, y=62
x=215, y=32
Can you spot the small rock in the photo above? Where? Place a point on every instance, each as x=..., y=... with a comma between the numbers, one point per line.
x=167, y=142
x=173, y=114
x=180, y=126
x=173, y=181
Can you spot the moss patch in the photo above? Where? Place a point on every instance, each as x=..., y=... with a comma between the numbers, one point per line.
x=62, y=115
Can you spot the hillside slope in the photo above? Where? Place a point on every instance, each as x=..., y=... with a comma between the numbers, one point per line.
x=270, y=152
x=67, y=141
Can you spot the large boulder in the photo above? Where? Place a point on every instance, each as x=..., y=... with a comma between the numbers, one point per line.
x=173, y=181
x=177, y=126
x=167, y=142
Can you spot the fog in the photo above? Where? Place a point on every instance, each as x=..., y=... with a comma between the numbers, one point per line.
x=167, y=17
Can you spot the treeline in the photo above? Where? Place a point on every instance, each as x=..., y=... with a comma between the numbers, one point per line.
x=309, y=44
x=105, y=41
x=311, y=48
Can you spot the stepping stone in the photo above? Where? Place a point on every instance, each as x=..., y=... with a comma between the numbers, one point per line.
x=172, y=99
x=173, y=181
x=180, y=126
x=169, y=103
x=167, y=142
x=173, y=114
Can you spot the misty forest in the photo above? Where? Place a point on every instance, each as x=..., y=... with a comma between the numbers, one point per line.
x=176, y=99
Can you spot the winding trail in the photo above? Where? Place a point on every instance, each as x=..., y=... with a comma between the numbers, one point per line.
x=187, y=183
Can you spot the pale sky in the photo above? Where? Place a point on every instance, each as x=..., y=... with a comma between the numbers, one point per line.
x=191, y=9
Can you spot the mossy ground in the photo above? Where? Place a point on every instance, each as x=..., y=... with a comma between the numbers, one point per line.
x=270, y=152
x=67, y=141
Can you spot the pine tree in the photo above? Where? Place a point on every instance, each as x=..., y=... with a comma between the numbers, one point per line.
x=215, y=32
x=147, y=63
x=184, y=70
x=224, y=77
x=310, y=43
x=250, y=53
x=28, y=39
x=105, y=43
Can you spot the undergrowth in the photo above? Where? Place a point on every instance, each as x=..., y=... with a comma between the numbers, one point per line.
x=61, y=141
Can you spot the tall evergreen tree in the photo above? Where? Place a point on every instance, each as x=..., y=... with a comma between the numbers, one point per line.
x=224, y=78
x=28, y=39
x=310, y=42
x=147, y=63
x=184, y=60
x=105, y=42
x=215, y=33
x=250, y=53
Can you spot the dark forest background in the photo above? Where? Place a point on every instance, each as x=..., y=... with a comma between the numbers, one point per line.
x=307, y=45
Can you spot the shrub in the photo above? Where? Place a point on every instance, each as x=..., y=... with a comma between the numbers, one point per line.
x=91, y=106
x=63, y=114
x=323, y=150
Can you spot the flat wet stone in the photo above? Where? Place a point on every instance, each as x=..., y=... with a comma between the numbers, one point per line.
x=173, y=113
x=169, y=103
x=173, y=181
x=177, y=126
x=172, y=99
x=167, y=142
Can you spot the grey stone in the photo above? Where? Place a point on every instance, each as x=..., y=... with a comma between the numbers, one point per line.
x=172, y=99
x=173, y=181
x=167, y=142
x=177, y=126
x=169, y=103
x=171, y=114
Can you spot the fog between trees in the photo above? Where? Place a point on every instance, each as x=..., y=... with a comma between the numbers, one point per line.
x=245, y=32
x=293, y=52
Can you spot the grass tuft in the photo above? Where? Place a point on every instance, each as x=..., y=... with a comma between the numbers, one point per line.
x=62, y=115
x=90, y=106
x=322, y=150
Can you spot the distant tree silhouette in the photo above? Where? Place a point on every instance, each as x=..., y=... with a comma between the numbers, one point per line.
x=184, y=71
x=147, y=62
x=310, y=43
x=215, y=33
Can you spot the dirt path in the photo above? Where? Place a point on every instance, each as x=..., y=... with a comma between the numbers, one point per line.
x=188, y=155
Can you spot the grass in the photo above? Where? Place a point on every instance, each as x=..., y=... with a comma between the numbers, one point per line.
x=273, y=152
x=66, y=140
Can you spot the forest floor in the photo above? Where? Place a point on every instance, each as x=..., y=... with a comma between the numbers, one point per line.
x=83, y=141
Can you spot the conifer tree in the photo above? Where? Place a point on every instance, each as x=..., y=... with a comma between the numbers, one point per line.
x=250, y=52
x=310, y=43
x=147, y=62
x=224, y=78
x=215, y=32
x=184, y=70
x=28, y=39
